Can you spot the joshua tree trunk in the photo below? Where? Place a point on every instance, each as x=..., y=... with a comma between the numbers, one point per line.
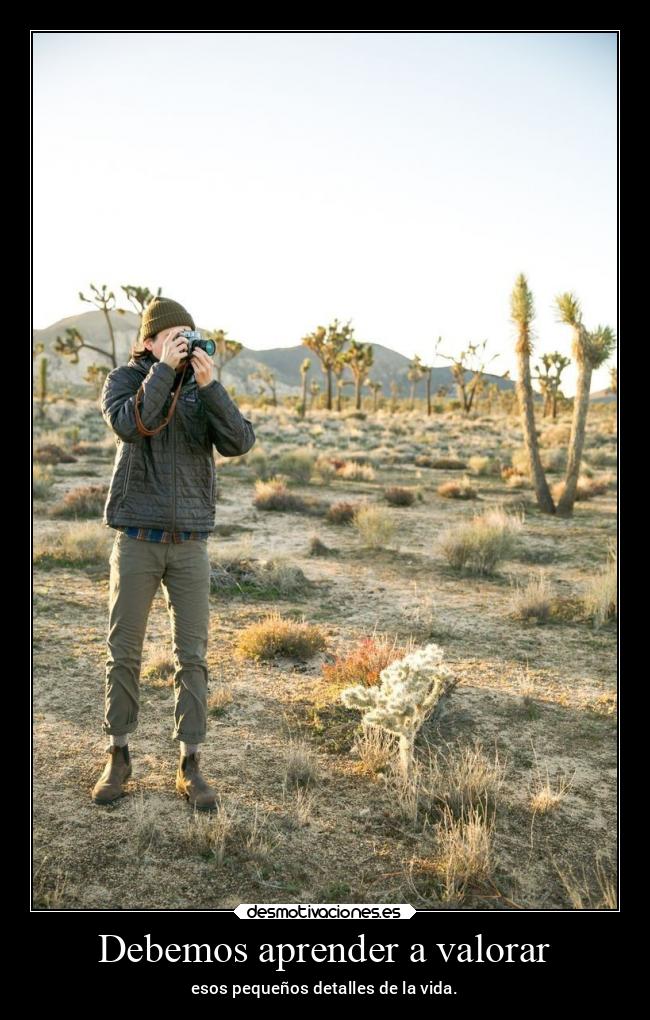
x=577, y=439
x=527, y=408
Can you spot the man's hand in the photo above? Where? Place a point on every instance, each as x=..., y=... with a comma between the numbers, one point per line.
x=202, y=365
x=174, y=349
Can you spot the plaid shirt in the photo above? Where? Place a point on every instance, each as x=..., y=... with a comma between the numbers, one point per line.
x=155, y=535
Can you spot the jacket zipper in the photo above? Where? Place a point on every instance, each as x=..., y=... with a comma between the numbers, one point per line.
x=128, y=470
x=172, y=440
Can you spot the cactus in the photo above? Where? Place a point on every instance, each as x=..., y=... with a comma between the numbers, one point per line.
x=410, y=689
x=42, y=386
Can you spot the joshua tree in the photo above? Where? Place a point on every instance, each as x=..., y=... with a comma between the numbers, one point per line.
x=106, y=304
x=42, y=386
x=522, y=313
x=314, y=390
x=266, y=376
x=549, y=380
x=95, y=375
x=139, y=297
x=590, y=351
x=226, y=349
x=304, y=369
x=395, y=392
x=70, y=345
x=375, y=387
x=338, y=368
x=416, y=372
x=326, y=345
x=613, y=380
x=360, y=358
x=473, y=361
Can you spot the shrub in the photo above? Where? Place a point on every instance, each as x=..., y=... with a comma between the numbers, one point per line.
x=587, y=487
x=363, y=663
x=297, y=465
x=274, y=495
x=84, y=501
x=482, y=465
x=233, y=570
x=49, y=453
x=457, y=490
x=259, y=462
x=398, y=496
x=480, y=544
x=42, y=481
x=440, y=463
x=600, y=598
x=76, y=546
x=324, y=468
x=341, y=512
x=352, y=469
x=277, y=636
x=533, y=601
x=375, y=526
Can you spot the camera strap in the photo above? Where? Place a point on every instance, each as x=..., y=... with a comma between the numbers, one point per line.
x=142, y=428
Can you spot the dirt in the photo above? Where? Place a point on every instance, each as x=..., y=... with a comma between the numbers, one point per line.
x=526, y=690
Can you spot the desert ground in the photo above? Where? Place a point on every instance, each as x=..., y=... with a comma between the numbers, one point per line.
x=512, y=804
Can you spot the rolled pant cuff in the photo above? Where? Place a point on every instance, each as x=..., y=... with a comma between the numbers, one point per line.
x=189, y=738
x=113, y=731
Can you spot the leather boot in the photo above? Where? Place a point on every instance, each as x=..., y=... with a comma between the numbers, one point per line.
x=191, y=784
x=117, y=770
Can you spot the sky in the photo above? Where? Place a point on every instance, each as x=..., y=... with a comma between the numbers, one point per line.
x=272, y=182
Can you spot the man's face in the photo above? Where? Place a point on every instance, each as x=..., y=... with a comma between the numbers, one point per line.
x=155, y=343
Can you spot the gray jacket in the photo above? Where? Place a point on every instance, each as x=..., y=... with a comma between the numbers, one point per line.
x=169, y=480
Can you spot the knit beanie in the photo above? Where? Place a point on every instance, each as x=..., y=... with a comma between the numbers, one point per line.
x=162, y=313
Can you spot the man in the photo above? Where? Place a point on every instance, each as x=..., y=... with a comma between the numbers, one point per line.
x=162, y=502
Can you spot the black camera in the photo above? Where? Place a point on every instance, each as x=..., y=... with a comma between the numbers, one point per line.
x=194, y=339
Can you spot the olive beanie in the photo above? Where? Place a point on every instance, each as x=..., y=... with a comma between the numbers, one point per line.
x=162, y=313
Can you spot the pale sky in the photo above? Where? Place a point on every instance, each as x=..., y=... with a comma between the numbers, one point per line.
x=272, y=182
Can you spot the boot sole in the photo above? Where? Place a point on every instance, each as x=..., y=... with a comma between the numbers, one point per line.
x=199, y=807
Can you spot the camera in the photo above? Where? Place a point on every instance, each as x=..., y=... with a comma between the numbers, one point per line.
x=194, y=339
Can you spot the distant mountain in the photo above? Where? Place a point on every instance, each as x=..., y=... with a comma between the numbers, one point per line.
x=389, y=366
x=602, y=397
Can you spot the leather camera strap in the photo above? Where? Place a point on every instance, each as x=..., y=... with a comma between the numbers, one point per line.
x=142, y=428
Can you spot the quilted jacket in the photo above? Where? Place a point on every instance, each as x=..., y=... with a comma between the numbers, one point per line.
x=168, y=480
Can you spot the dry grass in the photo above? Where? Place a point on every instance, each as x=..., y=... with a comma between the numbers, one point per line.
x=533, y=600
x=582, y=895
x=397, y=495
x=587, y=487
x=145, y=824
x=363, y=663
x=375, y=525
x=219, y=700
x=207, y=834
x=76, y=545
x=375, y=748
x=83, y=501
x=600, y=598
x=461, y=859
x=546, y=796
x=483, y=465
x=352, y=470
x=479, y=546
x=42, y=481
x=457, y=490
x=274, y=495
x=440, y=463
x=234, y=569
x=341, y=512
x=159, y=668
x=297, y=465
x=301, y=765
x=274, y=636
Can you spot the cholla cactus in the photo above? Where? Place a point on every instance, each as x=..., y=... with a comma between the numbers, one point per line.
x=409, y=690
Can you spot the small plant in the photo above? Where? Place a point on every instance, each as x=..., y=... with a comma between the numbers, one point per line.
x=145, y=825
x=159, y=669
x=600, y=598
x=50, y=453
x=274, y=495
x=532, y=601
x=318, y=548
x=482, y=465
x=580, y=893
x=398, y=496
x=375, y=525
x=352, y=470
x=219, y=701
x=84, y=501
x=277, y=636
x=301, y=767
x=457, y=490
x=410, y=690
x=208, y=834
x=297, y=465
x=479, y=545
x=42, y=481
x=363, y=663
x=341, y=512
x=79, y=545
x=440, y=463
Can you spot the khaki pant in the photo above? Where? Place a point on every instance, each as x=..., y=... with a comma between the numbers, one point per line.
x=137, y=568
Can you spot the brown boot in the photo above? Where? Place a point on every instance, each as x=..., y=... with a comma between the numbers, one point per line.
x=193, y=786
x=117, y=770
